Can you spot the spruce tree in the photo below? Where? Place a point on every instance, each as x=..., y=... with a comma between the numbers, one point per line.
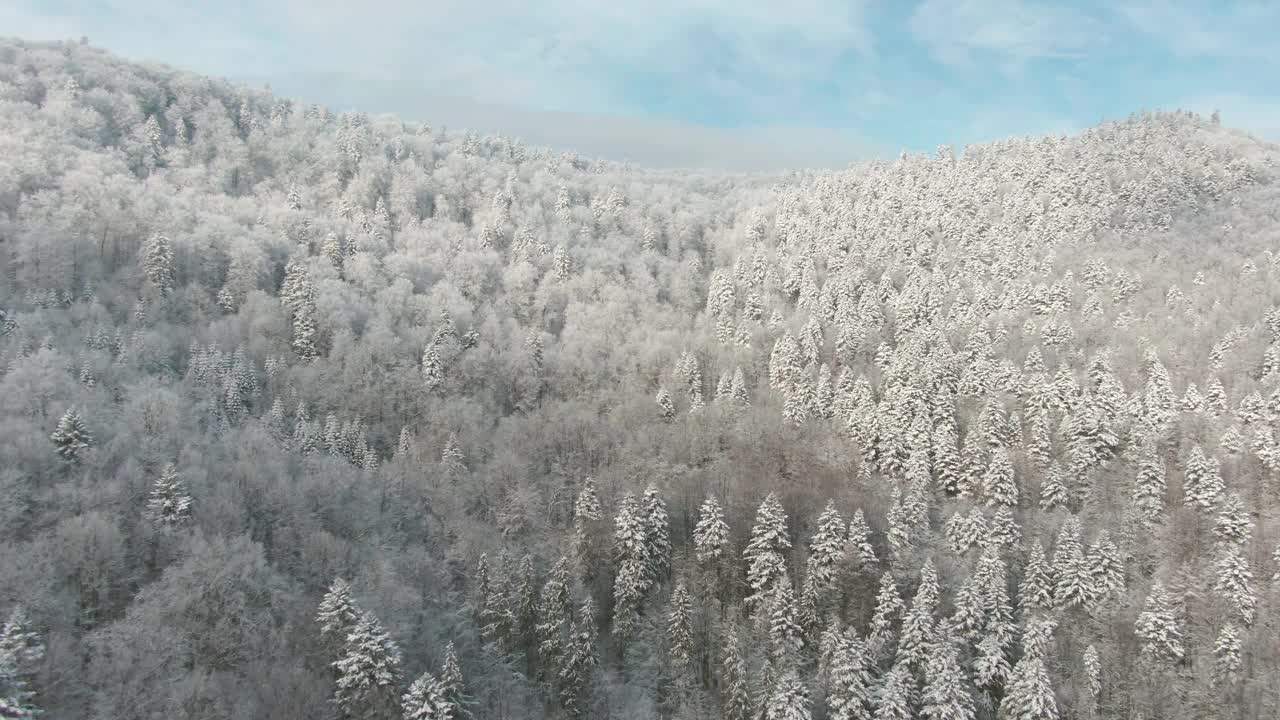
x=169, y=504
x=20, y=653
x=1159, y=628
x=425, y=700
x=849, y=683
x=157, y=261
x=71, y=437
x=368, y=672
x=765, y=553
x=736, y=691
x=680, y=630
x=789, y=699
x=946, y=691
x=711, y=535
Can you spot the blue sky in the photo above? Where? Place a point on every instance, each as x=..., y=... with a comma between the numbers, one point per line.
x=741, y=84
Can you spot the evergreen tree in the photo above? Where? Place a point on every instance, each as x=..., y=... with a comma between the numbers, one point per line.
x=451, y=684
x=666, y=410
x=849, y=683
x=785, y=633
x=738, y=390
x=711, y=535
x=425, y=700
x=1149, y=486
x=1226, y=656
x=552, y=617
x=736, y=699
x=946, y=691
x=1106, y=571
x=1053, y=488
x=998, y=484
x=20, y=652
x=1158, y=627
x=826, y=548
x=860, y=539
x=889, y=607
x=1235, y=584
x=680, y=630
x=577, y=671
x=653, y=517
x=586, y=515
x=633, y=576
x=169, y=504
x=71, y=437
x=432, y=368
x=789, y=699
x=338, y=613
x=367, y=671
x=1233, y=526
x=765, y=553
x=893, y=700
x=1203, y=481
x=1074, y=584
x=1029, y=695
x=919, y=630
x=1093, y=672
x=157, y=262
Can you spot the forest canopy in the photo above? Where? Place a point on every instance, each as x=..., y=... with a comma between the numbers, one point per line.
x=315, y=415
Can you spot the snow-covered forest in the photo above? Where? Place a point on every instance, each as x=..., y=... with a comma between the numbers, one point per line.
x=308, y=415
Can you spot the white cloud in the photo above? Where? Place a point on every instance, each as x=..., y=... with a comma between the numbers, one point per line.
x=1019, y=30
x=1208, y=29
x=648, y=142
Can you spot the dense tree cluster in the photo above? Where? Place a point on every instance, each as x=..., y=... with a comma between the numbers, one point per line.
x=310, y=415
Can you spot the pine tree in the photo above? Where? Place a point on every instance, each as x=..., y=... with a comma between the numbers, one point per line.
x=20, y=652
x=338, y=613
x=71, y=437
x=1149, y=486
x=826, y=548
x=666, y=409
x=860, y=539
x=893, y=701
x=789, y=699
x=1203, y=480
x=1036, y=590
x=1106, y=570
x=578, y=666
x=552, y=615
x=711, y=535
x=1029, y=695
x=849, y=682
x=738, y=390
x=998, y=484
x=426, y=701
x=919, y=629
x=1233, y=526
x=765, y=553
x=1093, y=672
x=586, y=515
x=1158, y=627
x=633, y=576
x=736, y=700
x=169, y=504
x=680, y=630
x=946, y=692
x=1053, y=488
x=1074, y=587
x=157, y=262
x=451, y=684
x=432, y=368
x=368, y=671
x=1226, y=656
x=889, y=607
x=1235, y=584
x=785, y=633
